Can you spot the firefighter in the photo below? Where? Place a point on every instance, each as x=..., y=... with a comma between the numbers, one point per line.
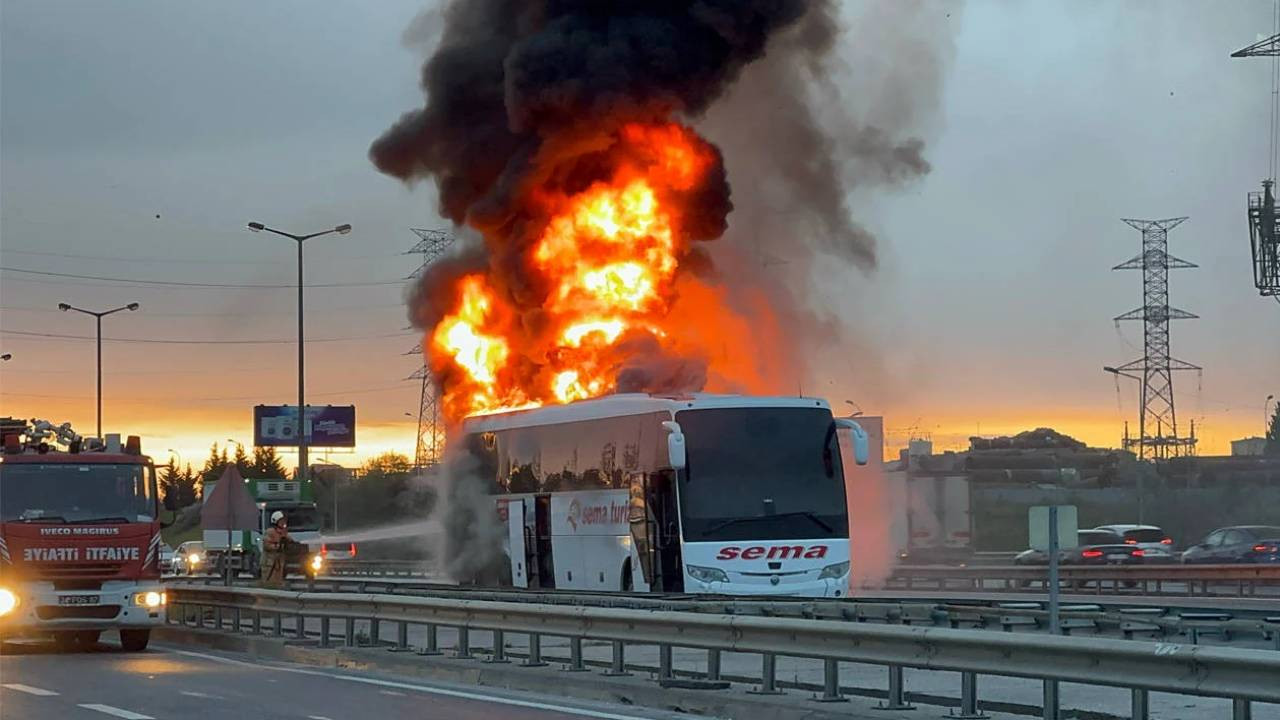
x=275, y=547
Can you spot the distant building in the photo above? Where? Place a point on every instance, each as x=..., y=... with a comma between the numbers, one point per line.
x=1248, y=446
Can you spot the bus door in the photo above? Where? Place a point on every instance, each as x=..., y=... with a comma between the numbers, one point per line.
x=542, y=567
x=655, y=531
x=519, y=548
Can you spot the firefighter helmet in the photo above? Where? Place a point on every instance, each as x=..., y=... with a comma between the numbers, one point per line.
x=277, y=517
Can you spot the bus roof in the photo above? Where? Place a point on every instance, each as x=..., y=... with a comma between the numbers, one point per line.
x=623, y=404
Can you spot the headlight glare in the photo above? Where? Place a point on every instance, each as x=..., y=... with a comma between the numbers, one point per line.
x=837, y=570
x=149, y=599
x=194, y=558
x=706, y=574
x=8, y=601
x=316, y=562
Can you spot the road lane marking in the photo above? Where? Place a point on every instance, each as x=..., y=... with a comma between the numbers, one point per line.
x=109, y=710
x=206, y=696
x=392, y=693
x=317, y=717
x=28, y=689
x=427, y=689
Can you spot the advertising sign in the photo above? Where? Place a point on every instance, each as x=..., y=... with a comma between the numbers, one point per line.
x=327, y=425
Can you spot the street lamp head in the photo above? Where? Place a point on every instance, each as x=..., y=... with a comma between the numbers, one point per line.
x=342, y=229
x=133, y=306
x=1108, y=368
x=256, y=226
x=6, y=357
x=64, y=307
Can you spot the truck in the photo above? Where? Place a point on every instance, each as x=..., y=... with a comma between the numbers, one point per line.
x=79, y=537
x=246, y=508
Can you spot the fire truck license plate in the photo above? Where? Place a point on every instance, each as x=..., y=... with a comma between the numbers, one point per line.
x=79, y=599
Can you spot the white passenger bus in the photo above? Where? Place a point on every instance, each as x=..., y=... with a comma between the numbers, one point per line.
x=723, y=494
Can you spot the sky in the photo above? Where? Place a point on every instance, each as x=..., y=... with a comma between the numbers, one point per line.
x=138, y=138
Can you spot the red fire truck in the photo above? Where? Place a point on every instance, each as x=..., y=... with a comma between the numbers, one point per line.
x=79, y=537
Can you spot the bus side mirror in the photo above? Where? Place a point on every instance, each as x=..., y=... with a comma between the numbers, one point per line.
x=861, y=442
x=677, y=458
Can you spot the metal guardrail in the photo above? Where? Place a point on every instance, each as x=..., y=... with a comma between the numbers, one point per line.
x=1244, y=676
x=1192, y=618
x=1243, y=580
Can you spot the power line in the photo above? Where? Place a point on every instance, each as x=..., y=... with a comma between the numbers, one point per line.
x=167, y=399
x=159, y=341
x=230, y=313
x=181, y=261
x=174, y=283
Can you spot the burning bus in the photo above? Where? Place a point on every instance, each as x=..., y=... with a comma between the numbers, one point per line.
x=696, y=493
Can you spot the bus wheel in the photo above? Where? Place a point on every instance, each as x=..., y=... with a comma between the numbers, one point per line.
x=627, y=584
x=134, y=640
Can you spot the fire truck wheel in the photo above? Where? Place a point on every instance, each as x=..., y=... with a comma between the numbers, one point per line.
x=134, y=640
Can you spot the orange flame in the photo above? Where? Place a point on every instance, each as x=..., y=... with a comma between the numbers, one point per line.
x=604, y=264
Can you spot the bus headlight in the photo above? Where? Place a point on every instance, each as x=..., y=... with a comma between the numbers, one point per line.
x=149, y=599
x=8, y=601
x=837, y=570
x=706, y=574
x=317, y=562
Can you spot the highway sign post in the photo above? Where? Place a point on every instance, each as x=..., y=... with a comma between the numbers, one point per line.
x=1052, y=528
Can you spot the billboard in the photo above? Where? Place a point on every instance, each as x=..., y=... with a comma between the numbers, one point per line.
x=327, y=425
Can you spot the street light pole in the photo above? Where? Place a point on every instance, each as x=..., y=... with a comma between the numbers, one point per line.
x=98, y=315
x=302, y=414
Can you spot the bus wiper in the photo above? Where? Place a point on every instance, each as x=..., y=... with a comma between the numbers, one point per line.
x=108, y=519
x=799, y=513
x=41, y=519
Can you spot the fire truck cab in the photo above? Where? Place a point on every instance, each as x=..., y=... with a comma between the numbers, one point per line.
x=79, y=538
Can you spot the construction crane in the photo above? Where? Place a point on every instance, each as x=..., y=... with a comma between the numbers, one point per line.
x=1264, y=220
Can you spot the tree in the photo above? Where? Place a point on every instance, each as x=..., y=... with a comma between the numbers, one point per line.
x=178, y=487
x=1273, y=435
x=186, y=488
x=267, y=464
x=169, y=487
x=214, y=466
x=243, y=464
x=387, y=464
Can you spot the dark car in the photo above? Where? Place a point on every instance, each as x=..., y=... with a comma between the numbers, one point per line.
x=1237, y=544
x=1093, y=547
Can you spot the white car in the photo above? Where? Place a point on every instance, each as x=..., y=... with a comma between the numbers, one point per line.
x=1155, y=543
x=189, y=558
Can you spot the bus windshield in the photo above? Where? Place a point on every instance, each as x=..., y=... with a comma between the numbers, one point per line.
x=761, y=474
x=76, y=493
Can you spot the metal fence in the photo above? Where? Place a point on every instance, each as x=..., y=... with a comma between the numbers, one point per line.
x=1242, y=580
x=1244, y=676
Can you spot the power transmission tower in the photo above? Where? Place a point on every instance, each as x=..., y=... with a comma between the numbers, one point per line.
x=430, y=446
x=1264, y=218
x=1264, y=239
x=1158, y=437
x=1263, y=48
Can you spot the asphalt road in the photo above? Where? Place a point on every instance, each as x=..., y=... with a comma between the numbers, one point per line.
x=104, y=682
